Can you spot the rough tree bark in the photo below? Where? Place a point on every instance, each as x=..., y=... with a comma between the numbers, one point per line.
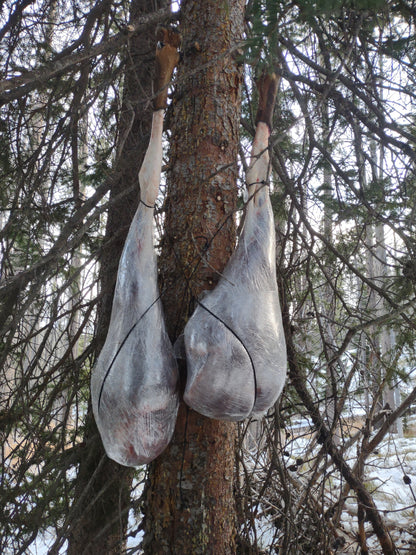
x=102, y=497
x=189, y=505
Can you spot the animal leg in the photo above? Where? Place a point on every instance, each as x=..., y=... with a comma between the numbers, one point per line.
x=258, y=170
x=234, y=341
x=134, y=384
x=167, y=57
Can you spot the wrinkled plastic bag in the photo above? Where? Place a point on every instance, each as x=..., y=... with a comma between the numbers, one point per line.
x=134, y=383
x=234, y=341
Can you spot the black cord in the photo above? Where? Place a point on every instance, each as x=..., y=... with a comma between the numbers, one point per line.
x=264, y=183
x=121, y=346
x=242, y=343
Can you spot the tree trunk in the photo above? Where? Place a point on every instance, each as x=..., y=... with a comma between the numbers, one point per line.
x=189, y=505
x=102, y=495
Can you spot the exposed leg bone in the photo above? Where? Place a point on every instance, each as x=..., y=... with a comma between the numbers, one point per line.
x=167, y=57
x=134, y=383
x=234, y=341
x=149, y=175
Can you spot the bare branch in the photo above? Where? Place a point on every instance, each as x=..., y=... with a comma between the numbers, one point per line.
x=16, y=87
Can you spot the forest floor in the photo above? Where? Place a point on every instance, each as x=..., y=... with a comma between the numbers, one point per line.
x=390, y=477
x=386, y=469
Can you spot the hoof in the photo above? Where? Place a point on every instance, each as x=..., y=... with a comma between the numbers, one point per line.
x=167, y=58
x=267, y=85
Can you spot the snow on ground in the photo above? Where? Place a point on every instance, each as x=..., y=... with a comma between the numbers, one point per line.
x=387, y=471
x=390, y=477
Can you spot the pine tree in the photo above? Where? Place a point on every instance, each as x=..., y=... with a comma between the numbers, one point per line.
x=189, y=505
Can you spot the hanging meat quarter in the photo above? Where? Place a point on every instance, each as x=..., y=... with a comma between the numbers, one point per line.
x=234, y=341
x=134, y=383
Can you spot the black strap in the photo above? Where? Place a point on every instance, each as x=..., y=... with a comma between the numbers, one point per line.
x=120, y=347
x=240, y=341
x=147, y=205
